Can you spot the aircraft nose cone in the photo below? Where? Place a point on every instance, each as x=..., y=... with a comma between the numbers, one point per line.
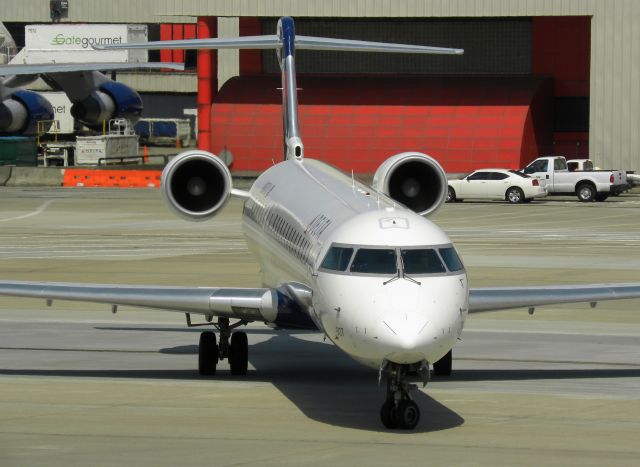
x=405, y=333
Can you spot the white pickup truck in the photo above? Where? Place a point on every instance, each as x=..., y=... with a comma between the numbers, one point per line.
x=587, y=185
x=633, y=179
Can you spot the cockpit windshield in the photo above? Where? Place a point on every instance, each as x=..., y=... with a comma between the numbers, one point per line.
x=422, y=261
x=451, y=258
x=374, y=261
x=352, y=259
x=337, y=259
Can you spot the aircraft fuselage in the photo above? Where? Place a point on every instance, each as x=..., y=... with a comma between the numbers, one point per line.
x=391, y=288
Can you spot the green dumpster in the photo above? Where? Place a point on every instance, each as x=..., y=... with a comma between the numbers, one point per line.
x=18, y=150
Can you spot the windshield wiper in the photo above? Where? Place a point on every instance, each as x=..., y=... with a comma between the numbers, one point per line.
x=401, y=275
x=394, y=278
x=404, y=276
x=411, y=279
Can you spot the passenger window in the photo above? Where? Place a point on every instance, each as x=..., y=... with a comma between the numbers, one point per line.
x=498, y=176
x=337, y=258
x=422, y=262
x=374, y=261
x=478, y=176
x=559, y=164
x=451, y=259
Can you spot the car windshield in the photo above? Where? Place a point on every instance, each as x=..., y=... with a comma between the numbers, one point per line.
x=520, y=174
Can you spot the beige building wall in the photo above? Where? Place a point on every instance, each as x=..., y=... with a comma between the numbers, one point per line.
x=614, y=140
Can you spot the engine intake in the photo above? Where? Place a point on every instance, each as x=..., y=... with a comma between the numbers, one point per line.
x=413, y=179
x=196, y=185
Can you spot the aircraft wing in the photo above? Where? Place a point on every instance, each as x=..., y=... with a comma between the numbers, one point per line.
x=40, y=68
x=504, y=298
x=241, y=303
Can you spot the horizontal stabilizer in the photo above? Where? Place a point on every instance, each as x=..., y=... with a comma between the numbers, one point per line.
x=274, y=42
x=323, y=43
x=248, y=42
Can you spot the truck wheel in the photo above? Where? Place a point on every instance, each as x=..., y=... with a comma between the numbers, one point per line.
x=586, y=193
x=451, y=195
x=514, y=195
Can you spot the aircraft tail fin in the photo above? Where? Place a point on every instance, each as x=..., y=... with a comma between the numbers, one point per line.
x=285, y=42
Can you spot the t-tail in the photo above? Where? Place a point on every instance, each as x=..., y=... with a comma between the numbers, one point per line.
x=293, y=147
x=285, y=42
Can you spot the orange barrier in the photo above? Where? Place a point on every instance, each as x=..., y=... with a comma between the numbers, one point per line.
x=111, y=178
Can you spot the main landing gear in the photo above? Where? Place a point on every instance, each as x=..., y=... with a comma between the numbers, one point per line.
x=232, y=346
x=399, y=409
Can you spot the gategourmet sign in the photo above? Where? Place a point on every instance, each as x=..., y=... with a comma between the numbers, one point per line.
x=65, y=40
x=73, y=42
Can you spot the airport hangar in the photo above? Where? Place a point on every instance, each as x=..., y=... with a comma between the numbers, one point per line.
x=537, y=77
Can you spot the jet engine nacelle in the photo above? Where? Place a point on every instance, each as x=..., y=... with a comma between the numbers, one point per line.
x=196, y=184
x=109, y=100
x=413, y=179
x=21, y=111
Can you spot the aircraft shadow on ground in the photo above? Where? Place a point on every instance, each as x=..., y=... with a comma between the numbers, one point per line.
x=324, y=383
x=318, y=378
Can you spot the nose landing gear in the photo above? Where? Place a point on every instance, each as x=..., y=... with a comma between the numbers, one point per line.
x=399, y=409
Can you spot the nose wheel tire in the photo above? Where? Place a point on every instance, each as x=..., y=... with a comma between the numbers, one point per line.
x=387, y=415
x=207, y=354
x=406, y=415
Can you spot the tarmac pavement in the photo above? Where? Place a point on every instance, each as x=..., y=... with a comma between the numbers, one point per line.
x=80, y=386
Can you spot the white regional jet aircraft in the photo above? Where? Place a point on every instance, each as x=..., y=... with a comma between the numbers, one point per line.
x=360, y=264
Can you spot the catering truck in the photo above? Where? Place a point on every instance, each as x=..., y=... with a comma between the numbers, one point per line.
x=587, y=185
